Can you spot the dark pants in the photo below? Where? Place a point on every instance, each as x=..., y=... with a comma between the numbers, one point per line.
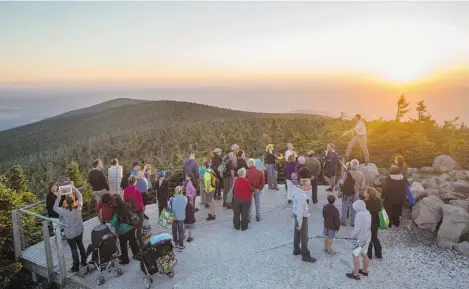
x=132, y=240
x=161, y=205
x=178, y=232
x=376, y=243
x=301, y=236
x=394, y=212
x=240, y=210
x=314, y=187
x=76, y=244
x=139, y=229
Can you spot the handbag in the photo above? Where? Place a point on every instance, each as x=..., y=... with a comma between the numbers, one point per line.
x=383, y=218
x=166, y=219
x=410, y=195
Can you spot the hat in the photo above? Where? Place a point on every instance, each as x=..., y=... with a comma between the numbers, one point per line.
x=217, y=150
x=161, y=173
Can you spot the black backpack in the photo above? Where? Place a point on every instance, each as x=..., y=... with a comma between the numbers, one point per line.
x=129, y=216
x=348, y=188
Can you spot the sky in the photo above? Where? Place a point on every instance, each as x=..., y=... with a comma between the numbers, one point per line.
x=338, y=50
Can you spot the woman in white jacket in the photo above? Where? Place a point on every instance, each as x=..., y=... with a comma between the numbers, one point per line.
x=114, y=175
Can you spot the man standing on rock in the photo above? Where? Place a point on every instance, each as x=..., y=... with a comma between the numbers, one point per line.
x=359, y=137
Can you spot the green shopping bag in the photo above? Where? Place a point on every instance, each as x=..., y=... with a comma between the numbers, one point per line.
x=166, y=219
x=383, y=218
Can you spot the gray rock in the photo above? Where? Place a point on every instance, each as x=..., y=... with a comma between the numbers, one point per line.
x=431, y=192
x=459, y=175
x=416, y=176
x=410, y=180
x=445, y=163
x=461, y=204
x=418, y=190
x=447, y=245
x=428, y=170
x=467, y=174
x=462, y=248
x=461, y=196
x=455, y=220
x=446, y=186
x=443, y=178
x=429, y=183
x=446, y=197
x=371, y=173
x=426, y=213
x=411, y=171
x=461, y=187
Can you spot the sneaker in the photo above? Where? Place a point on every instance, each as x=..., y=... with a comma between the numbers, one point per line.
x=206, y=206
x=296, y=253
x=190, y=239
x=236, y=228
x=351, y=276
x=363, y=273
x=181, y=249
x=258, y=219
x=331, y=253
x=124, y=262
x=307, y=201
x=353, y=225
x=325, y=250
x=74, y=269
x=308, y=259
x=343, y=224
x=196, y=210
x=210, y=217
x=289, y=202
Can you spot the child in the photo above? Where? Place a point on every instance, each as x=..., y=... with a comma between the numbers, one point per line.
x=362, y=235
x=331, y=224
x=191, y=191
x=209, y=190
x=300, y=213
x=178, y=205
x=189, y=222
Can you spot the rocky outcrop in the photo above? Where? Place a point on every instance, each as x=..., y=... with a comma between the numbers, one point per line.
x=461, y=204
x=462, y=248
x=429, y=183
x=445, y=163
x=371, y=173
x=418, y=190
x=461, y=186
x=455, y=220
x=426, y=213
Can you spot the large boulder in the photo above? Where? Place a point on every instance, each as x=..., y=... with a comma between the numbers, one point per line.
x=371, y=173
x=446, y=186
x=429, y=183
x=445, y=163
x=431, y=192
x=418, y=190
x=461, y=187
x=426, y=213
x=411, y=171
x=455, y=220
x=461, y=204
x=446, y=197
x=462, y=248
x=459, y=175
x=443, y=178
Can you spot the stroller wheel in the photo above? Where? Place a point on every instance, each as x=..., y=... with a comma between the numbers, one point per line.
x=119, y=270
x=116, y=273
x=100, y=280
x=147, y=282
x=170, y=274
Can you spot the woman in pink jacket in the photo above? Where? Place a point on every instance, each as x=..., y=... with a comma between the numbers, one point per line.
x=191, y=191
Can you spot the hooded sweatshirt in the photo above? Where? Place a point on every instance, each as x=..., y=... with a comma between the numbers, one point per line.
x=190, y=166
x=362, y=229
x=300, y=206
x=72, y=218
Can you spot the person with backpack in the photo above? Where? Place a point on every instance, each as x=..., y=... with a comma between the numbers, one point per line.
x=228, y=176
x=133, y=197
x=352, y=187
x=314, y=167
x=394, y=195
x=125, y=231
x=270, y=161
x=215, y=164
x=178, y=204
x=210, y=183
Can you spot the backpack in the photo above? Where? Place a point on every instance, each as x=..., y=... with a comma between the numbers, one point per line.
x=348, y=188
x=129, y=216
x=222, y=169
x=213, y=179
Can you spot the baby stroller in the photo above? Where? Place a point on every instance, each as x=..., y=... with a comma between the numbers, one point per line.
x=104, y=252
x=157, y=257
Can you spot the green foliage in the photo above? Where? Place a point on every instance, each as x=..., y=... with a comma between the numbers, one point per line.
x=16, y=179
x=9, y=201
x=73, y=172
x=402, y=108
x=422, y=112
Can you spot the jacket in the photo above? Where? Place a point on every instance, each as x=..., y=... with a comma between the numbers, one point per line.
x=331, y=161
x=241, y=163
x=107, y=210
x=360, y=183
x=300, y=206
x=178, y=207
x=125, y=180
x=374, y=206
x=191, y=191
x=362, y=228
x=242, y=189
x=208, y=180
x=134, y=198
x=289, y=169
x=269, y=159
x=190, y=216
x=162, y=191
x=121, y=228
x=256, y=178
x=97, y=180
x=314, y=166
x=114, y=174
x=190, y=166
x=331, y=217
x=50, y=201
x=72, y=219
x=394, y=189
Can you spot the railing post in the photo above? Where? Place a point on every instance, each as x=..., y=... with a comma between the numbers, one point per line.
x=16, y=222
x=60, y=256
x=48, y=250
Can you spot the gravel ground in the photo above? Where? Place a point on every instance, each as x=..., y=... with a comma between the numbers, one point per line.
x=261, y=257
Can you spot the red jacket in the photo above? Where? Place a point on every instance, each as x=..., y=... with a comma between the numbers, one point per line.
x=256, y=177
x=108, y=211
x=242, y=189
x=134, y=198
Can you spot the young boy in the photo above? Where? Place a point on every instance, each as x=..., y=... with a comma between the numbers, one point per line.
x=178, y=206
x=331, y=223
x=300, y=212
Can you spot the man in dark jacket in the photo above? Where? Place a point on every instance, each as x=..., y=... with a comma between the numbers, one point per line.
x=373, y=205
x=98, y=180
x=303, y=173
x=394, y=195
x=136, y=166
x=161, y=187
x=314, y=167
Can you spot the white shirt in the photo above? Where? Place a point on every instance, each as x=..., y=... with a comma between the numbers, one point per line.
x=114, y=175
x=360, y=128
x=288, y=153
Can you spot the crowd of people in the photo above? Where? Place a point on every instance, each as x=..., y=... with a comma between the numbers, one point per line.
x=237, y=181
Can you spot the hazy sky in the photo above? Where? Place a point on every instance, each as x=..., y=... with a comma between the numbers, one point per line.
x=206, y=41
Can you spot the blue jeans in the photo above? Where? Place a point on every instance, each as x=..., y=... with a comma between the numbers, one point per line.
x=347, y=204
x=257, y=200
x=271, y=176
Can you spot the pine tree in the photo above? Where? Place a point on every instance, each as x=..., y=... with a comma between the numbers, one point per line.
x=73, y=172
x=402, y=108
x=422, y=112
x=16, y=180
